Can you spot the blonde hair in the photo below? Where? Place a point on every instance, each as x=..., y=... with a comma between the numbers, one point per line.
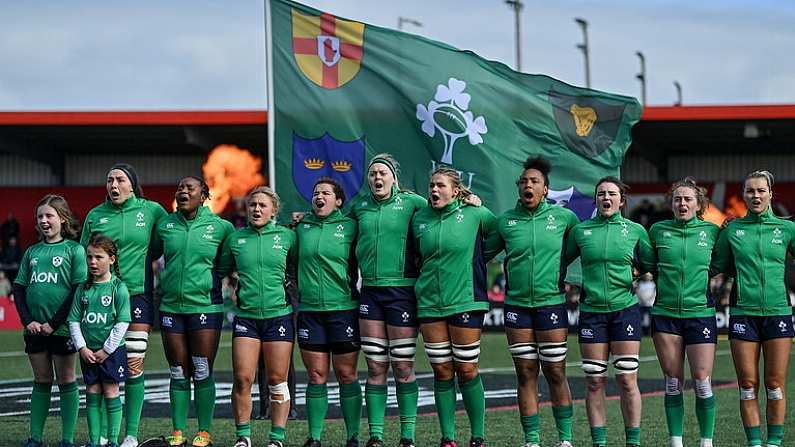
x=277, y=202
x=455, y=179
x=767, y=175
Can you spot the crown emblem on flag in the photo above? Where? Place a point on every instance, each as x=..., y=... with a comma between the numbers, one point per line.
x=341, y=166
x=314, y=163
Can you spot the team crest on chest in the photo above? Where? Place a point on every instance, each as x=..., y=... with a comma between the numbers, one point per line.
x=777, y=237
x=57, y=261
x=277, y=241
x=339, y=232
x=106, y=300
x=551, y=224
x=208, y=232
x=139, y=219
x=702, y=239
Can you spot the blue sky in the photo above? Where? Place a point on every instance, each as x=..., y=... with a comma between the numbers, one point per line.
x=201, y=54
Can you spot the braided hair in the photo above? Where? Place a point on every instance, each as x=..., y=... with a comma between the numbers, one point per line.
x=205, y=189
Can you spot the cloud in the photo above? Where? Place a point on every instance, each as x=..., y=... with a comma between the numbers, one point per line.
x=207, y=54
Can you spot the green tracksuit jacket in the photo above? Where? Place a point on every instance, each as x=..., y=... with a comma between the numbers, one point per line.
x=260, y=256
x=385, y=246
x=609, y=247
x=327, y=271
x=683, y=251
x=98, y=309
x=534, y=243
x=454, y=243
x=131, y=225
x=191, y=249
x=754, y=250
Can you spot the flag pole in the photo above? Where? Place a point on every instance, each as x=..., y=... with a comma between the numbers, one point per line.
x=269, y=87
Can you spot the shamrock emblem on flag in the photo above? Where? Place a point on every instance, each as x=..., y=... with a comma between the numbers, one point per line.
x=448, y=113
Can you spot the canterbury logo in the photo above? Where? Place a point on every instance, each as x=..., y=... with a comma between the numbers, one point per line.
x=584, y=119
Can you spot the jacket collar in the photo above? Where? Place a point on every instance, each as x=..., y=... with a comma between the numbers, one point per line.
x=612, y=219
x=201, y=213
x=764, y=216
x=524, y=212
x=693, y=221
x=264, y=229
x=335, y=215
x=451, y=207
x=388, y=200
x=128, y=204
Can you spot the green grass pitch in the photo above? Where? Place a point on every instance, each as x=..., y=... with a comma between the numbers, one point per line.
x=502, y=425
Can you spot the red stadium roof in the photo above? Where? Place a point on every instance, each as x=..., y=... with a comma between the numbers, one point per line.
x=719, y=113
x=233, y=117
x=138, y=118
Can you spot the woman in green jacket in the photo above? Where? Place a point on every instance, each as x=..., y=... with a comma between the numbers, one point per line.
x=387, y=305
x=683, y=316
x=328, y=326
x=130, y=220
x=536, y=320
x=191, y=309
x=455, y=242
x=610, y=246
x=753, y=249
x=263, y=322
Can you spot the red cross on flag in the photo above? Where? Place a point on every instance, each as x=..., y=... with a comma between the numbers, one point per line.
x=327, y=50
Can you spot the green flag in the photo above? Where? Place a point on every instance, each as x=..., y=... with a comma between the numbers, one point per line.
x=343, y=91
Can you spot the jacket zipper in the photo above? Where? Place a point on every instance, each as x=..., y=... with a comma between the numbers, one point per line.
x=259, y=273
x=762, y=265
x=377, y=238
x=684, y=259
x=439, y=268
x=321, y=296
x=605, y=279
x=533, y=262
x=182, y=270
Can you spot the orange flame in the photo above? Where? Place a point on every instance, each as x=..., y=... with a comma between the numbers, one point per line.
x=735, y=208
x=230, y=173
x=714, y=215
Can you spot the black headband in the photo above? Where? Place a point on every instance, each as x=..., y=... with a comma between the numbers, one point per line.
x=387, y=163
x=129, y=171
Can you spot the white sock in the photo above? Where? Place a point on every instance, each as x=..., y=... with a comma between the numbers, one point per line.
x=705, y=442
x=676, y=441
